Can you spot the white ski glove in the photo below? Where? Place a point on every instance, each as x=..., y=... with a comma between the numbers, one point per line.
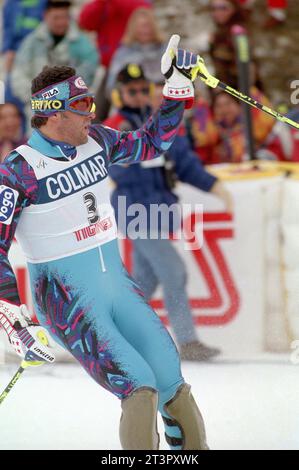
x=29, y=340
x=176, y=66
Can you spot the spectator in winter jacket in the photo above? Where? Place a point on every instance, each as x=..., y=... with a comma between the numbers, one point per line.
x=155, y=260
x=11, y=134
x=218, y=130
x=19, y=18
x=56, y=41
x=108, y=18
x=225, y=14
x=142, y=43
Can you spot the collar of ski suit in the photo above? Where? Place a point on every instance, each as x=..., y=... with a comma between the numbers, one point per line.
x=50, y=147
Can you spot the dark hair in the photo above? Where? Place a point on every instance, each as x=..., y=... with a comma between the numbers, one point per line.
x=57, y=4
x=49, y=76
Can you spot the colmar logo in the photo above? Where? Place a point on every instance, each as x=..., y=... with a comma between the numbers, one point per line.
x=8, y=200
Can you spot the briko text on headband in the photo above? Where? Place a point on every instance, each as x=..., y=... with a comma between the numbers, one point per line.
x=69, y=95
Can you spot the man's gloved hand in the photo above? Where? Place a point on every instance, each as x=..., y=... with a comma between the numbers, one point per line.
x=176, y=66
x=29, y=340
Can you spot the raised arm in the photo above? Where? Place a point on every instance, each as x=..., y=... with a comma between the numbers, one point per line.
x=158, y=133
x=155, y=137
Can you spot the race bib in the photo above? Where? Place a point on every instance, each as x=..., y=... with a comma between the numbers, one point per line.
x=8, y=200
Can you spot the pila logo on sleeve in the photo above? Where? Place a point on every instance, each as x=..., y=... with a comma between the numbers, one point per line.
x=8, y=200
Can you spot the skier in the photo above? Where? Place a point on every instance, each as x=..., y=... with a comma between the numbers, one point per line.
x=54, y=197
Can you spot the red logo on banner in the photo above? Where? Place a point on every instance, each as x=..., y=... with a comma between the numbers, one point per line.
x=213, y=267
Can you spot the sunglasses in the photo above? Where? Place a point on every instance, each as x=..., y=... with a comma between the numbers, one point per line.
x=134, y=91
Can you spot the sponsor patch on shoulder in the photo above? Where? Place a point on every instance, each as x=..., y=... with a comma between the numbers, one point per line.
x=8, y=200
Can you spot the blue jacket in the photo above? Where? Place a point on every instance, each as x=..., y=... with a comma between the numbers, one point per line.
x=148, y=185
x=20, y=17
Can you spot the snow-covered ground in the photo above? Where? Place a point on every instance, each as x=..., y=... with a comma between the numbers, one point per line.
x=246, y=405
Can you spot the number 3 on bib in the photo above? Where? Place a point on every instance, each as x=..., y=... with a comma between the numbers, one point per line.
x=91, y=204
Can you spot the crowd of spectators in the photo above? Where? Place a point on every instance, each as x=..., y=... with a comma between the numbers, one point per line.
x=99, y=38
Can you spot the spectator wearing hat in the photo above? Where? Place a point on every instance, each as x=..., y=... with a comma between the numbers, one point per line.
x=19, y=18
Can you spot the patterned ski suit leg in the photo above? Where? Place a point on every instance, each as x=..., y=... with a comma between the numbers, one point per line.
x=94, y=309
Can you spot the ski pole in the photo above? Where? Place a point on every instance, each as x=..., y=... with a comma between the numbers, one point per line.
x=201, y=71
x=241, y=42
x=23, y=366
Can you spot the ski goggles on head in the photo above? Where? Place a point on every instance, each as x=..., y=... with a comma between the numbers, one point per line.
x=69, y=95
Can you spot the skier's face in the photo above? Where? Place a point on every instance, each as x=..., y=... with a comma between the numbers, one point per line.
x=74, y=128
